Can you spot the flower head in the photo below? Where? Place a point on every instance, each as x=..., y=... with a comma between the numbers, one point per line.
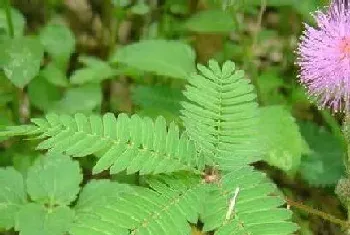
x=324, y=57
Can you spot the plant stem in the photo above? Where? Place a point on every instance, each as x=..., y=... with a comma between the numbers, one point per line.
x=321, y=214
x=346, y=132
x=249, y=64
x=9, y=18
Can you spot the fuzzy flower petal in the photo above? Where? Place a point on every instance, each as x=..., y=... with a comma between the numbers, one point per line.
x=324, y=58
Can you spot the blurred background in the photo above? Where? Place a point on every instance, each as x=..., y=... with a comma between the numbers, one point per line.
x=92, y=64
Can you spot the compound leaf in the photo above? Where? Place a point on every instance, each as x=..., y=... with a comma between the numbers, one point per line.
x=166, y=209
x=127, y=143
x=221, y=115
x=256, y=210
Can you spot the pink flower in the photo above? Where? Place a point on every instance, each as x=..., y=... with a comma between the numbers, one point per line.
x=323, y=55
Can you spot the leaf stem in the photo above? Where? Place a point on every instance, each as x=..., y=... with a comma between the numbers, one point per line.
x=321, y=214
x=346, y=132
x=9, y=18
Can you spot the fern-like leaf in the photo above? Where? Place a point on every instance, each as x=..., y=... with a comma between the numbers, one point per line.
x=167, y=209
x=221, y=114
x=131, y=143
x=245, y=202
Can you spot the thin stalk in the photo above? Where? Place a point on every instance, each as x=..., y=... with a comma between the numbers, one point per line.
x=258, y=23
x=346, y=132
x=323, y=215
x=249, y=63
x=9, y=18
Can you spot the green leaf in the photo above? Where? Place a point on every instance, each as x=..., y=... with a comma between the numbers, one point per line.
x=12, y=196
x=257, y=206
x=5, y=120
x=59, y=42
x=95, y=71
x=282, y=138
x=140, y=9
x=178, y=6
x=324, y=165
x=21, y=60
x=18, y=130
x=221, y=115
x=79, y=99
x=306, y=7
x=203, y=22
x=166, y=209
x=158, y=100
x=42, y=94
x=54, y=180
x=35, y=219
x=166, y=58
x=89, y=208
x=54, y=75
x=17, y=20
x=269, y=84
x=121, y=3
x=22, y=162
x=126, y=143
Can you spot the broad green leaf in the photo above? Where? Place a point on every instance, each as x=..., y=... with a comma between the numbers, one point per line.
x=21, y=59
x=269, y=84
x=92, y=199
x=17, y=20
x=79, y=99
x=166, y=58
x=54, y=75
x=95, y=71
x=22, y=162
x=12, y=196
x=306, y=7
x=324, y=165
x=157, y=100
x=54, y=180
x=282, y=138
x=35, y=219
x=58, y=41
x=211, y=21
x=42, y=94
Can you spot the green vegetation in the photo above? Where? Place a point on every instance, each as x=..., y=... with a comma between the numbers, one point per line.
x=162, y=117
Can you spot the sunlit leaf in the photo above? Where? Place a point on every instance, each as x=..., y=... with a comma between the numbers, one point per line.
x=17, y=20
x=167, y=58
x=12, y=196
x=282, y=138
x=35, y=219
x=54, y=180
x=21, y=59
x=204, y=22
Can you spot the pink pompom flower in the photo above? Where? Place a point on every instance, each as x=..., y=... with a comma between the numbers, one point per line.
x=323, y=56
